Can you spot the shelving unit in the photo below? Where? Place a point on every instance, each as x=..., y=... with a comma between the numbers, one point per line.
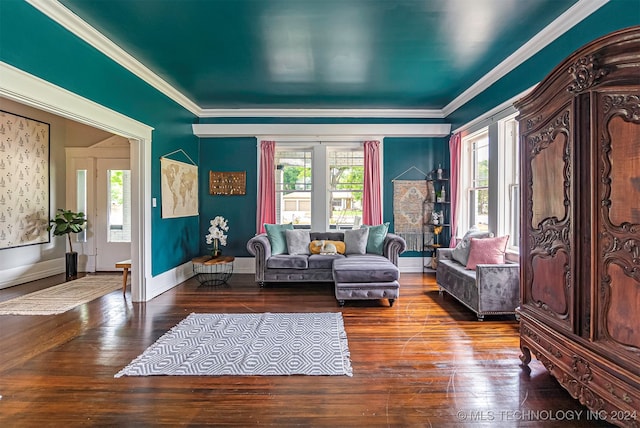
x=441, y=206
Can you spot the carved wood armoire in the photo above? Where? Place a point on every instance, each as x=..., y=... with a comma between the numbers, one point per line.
x=580, y=249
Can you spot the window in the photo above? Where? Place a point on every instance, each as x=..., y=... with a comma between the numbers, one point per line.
x=477, y=192
x=293, y=186
x=119, y=215
x=489, y=184
x=319, y=185
x=346, y=181
x=509, y=222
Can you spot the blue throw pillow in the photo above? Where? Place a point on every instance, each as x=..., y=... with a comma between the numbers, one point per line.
x=375, y=243
x=277, y=237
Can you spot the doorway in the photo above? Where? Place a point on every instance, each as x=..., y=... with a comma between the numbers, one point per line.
x=112, y=225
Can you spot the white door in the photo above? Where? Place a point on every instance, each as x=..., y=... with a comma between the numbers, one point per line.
x=113, y=213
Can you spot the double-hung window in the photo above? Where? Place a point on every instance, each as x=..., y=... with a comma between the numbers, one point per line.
x=509, y=200
x=477, y=180
x=319, y=185
x=489, y=186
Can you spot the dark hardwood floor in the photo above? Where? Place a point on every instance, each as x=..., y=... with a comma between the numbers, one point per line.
x=426, y=361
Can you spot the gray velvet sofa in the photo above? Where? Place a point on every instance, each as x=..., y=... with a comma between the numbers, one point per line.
x=490, y=289
x=364, y=276
x=315, y=267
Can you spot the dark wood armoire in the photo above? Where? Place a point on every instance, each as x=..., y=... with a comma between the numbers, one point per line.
x=580, y=249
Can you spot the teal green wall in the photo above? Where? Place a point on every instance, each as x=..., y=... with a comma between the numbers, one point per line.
x=401, y=154
x=615, y=15
x=229, y=155
x=35, y=44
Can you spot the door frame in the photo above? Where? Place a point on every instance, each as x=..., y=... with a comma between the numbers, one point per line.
x=30, y=90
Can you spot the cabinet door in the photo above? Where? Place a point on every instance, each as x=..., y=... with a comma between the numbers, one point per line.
x=617, y=292
x=547, y=257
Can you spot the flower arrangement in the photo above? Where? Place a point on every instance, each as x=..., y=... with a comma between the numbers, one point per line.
x=216, y=235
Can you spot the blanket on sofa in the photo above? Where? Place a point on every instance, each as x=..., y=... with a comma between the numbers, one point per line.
x=410, y=211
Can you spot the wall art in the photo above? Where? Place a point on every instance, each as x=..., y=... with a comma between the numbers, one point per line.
x=24, y=181
x=227, y=183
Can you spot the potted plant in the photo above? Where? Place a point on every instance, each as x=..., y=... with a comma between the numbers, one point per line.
x=67, y=222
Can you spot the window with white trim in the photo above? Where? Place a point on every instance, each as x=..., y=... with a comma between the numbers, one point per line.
x=319, y=185
x=489, y=184
x=509, y=200
x=475, y=203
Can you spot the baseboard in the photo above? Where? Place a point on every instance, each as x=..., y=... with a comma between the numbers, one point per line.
x=21, y=274
x=410, y=264
x=167, y=280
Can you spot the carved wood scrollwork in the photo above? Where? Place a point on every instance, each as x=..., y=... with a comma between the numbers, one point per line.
x=583, y=393
x=534, y=336
x=552, y=233
x=618, y=245
x=586, y=73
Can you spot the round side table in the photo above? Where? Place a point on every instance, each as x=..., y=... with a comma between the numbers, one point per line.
x=213, y=271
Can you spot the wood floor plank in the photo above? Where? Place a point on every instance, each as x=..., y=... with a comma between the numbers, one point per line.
x=426, y=361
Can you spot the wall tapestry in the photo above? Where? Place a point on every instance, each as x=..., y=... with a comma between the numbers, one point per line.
x=410, y=212
x=179, y=188
x=24, y=181
x=227, y=183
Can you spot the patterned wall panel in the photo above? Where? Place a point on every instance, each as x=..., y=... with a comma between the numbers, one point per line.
x=24, y=181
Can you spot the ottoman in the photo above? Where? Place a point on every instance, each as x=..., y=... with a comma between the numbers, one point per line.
x=366, y=277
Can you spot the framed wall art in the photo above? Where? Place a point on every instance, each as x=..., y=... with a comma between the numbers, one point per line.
x=24, y=181
x=227, y=183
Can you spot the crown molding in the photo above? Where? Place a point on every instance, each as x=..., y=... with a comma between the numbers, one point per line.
x=33, y=91
x=551, y=32
x=329, y=112
x=73, y=23
x=320, y=131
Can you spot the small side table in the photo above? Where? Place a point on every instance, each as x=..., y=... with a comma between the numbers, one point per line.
x=213, y=271
x=126, y=265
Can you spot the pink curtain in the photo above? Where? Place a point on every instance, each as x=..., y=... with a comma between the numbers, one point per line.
x=371, y=199
x=455, y=152
x=266, y=186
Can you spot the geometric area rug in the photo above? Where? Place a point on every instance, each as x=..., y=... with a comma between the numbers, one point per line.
x=63, y=297
x=248, y=344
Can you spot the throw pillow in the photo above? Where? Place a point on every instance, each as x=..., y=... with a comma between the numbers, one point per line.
x=487, y=250
x=461, y=252
x=375, y=242
x=277, y=238
x=316, y=246
x=355, y=241
x=297, y=241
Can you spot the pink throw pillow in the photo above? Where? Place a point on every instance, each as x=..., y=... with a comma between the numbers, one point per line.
x=487, y=251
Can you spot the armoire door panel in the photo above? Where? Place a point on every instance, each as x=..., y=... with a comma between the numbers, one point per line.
x=622, y=314
x=547, y=188
x=618, y=260
x=549, y=288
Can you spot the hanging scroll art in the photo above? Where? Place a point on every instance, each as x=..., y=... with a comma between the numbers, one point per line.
x=410, y=212
x=24, y=183
x=227, y=183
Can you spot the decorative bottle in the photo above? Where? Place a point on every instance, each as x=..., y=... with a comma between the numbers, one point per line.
x=443, y=194
x=439, y=171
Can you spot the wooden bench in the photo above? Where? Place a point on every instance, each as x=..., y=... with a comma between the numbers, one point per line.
x=126, y=265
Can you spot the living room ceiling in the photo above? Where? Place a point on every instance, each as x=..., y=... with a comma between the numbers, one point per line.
x=320, y=54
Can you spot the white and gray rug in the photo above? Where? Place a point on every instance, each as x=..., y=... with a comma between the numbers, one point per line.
x=248, y=344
